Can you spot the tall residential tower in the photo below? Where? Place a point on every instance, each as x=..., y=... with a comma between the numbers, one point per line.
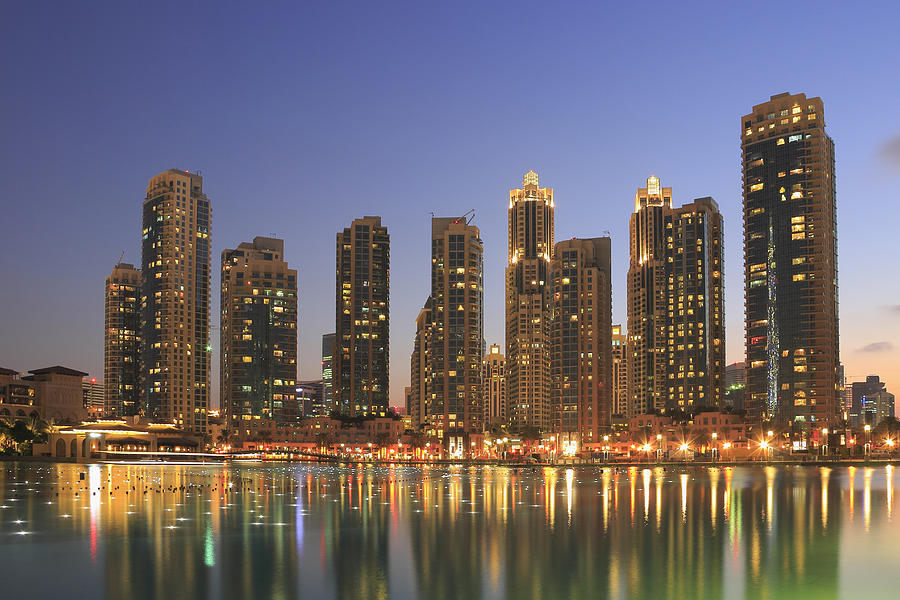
x=530, y=221
x=175, y=351
x=122, y=342
x=362, y=319
x=258, y=333
x=790, y=264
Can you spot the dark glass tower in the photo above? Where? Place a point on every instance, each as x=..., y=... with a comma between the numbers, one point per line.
x=122, y=342
x=790, y=264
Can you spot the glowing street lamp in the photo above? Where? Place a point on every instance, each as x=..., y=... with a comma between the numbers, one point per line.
x=825, y=441
x=868, y=430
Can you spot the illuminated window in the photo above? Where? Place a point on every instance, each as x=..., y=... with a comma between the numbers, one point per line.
x=800, y=277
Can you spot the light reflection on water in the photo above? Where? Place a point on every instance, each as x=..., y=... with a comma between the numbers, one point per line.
x=323, y=531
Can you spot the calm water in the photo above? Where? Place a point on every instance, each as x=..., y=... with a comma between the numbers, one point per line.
x=319, y=531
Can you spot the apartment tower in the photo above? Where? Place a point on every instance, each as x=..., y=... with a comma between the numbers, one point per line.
x=456, y=346
x=620, y=371
x=258, y=333
x=493, y=380
x=328, y=370
x=122, y=342
x=175, y=351
x=581, y=335
x=418, y=367
x=790, y=264
x=528, y=305
x=362, y=319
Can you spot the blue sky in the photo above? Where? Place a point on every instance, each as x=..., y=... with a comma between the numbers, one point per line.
x=303, y=117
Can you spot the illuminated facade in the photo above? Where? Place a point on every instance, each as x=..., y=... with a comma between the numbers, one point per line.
x=362, y=319
x=790, y=264
x=676, y=333
x=122, y=342
x=328, y=370
x=581, y=334
x=175, y=351
x=258, y=334
x=454, y=404
x=493, y=379
x=619, y=371
x=418, y=367
x=531, y=210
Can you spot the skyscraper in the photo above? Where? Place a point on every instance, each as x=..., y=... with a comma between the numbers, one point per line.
x=418, y=367
x=528, y=304
x=790, y=264
x=453, y=405
x=328, y=371
x=258, y=333
x=493, y=380
x=581, y=336
x=676, y=333
x=122, y=342
x=362, y=320
x=175, y=300
x=620, y=371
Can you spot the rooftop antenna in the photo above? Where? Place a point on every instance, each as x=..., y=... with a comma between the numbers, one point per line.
x=121, y=256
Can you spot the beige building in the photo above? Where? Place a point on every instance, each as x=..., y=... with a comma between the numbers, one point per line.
x=676, y=336
x=418, y=368
x=175, y=263
x=258, y=333
x=493, y=380
x=59, y=393
x=456, y=346
x=581, y=337
x=530, y=223
x=362, y=319
x=122, y=342
x=620, y=371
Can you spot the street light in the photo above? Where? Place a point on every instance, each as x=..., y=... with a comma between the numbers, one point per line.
x=715, y=449
x=868, y=430
x=825, y=441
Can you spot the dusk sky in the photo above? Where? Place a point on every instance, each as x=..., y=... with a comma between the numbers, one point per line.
x=302, y=117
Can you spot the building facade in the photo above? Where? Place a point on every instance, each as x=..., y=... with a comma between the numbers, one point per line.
x=454, y=405
x=581, y=341
x=362, y=320
x=530, y=223
x=328, y=370
x=790, y=264
x=871, y=403
x=620, y=371
x=416, y=406
x=676, y=332
x=175, y=351
x=493, y=380
x=122, y=342
x=258, y=333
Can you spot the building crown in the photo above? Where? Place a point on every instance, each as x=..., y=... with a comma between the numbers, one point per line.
x=531, y=178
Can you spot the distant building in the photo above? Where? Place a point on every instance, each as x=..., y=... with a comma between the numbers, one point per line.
x=493, y=380
x=93, y=395
x=871, y=402
x=418, y=368
x=175, y=264
x=620, y=371
x=17, y=396
x=581, y=341
x=122, y=342
x=311, y=395
x=456, y=346
x=735, y=385
x=531, y=210
x=258, y=335
x=676, y=333
x=362, y=319
x=790, y=273
x=328, y=369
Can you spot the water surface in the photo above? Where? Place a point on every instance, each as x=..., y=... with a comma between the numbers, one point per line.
x=166, y=531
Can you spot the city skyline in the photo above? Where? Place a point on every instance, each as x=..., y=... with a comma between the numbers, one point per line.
x=58, y=320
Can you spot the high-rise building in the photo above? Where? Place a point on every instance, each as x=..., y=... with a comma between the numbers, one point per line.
x=493, y=380
x=122, y=342
x=619, y=372
x=311, y=397
x=93, y=394
x=258, y=333
x=175, y=350
x=456, y=347
x=418, y=368
x=581, y=336
x=530, y=221
x=328, y=370
x=871, y=402
x=676, y=332
x=736, y=385
x=362, y=320
x=790, y=264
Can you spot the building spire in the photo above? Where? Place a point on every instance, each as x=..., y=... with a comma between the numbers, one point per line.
x=531, y=178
